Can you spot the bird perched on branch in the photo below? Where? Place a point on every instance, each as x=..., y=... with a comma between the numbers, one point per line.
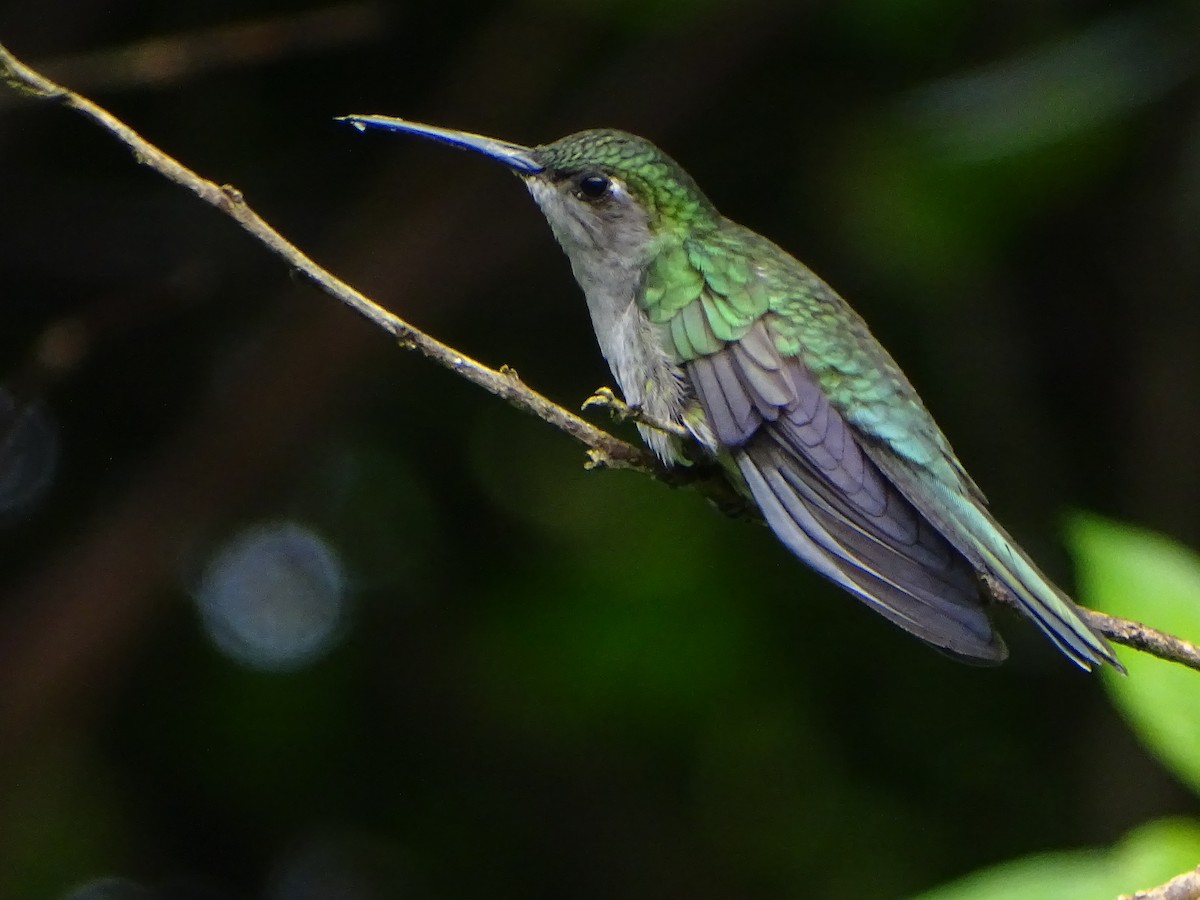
x=718, y=332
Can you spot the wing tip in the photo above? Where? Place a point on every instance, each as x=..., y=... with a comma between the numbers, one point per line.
x=981, y=655
x=956, y=625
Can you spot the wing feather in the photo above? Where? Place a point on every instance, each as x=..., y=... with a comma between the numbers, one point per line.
x=943, y=611
x=866, y=490
x=829, y=503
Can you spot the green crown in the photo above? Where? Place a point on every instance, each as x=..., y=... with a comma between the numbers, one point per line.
x=660, y=184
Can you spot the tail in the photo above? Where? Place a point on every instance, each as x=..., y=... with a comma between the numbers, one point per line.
x=965, y=522
x=1035, y=594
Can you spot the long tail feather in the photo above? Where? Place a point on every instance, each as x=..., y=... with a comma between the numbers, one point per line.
x=981, y=539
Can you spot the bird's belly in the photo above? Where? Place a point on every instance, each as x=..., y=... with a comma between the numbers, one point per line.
x=648, y=378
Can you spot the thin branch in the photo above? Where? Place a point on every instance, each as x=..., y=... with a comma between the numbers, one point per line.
x=603, y=449
x=1182, y=887
x=1142, y=637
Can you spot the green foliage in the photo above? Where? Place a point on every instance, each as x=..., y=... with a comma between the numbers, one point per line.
x=1134, y=573
x=1140, y=575
x=1148, y=855
x=946, y=179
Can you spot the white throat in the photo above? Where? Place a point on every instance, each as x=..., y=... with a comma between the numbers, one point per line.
x=609, y=256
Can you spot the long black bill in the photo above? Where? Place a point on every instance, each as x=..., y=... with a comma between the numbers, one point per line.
x=520, y=159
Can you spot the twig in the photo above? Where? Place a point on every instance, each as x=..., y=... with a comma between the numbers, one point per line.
x=604, y=450
x=1142, y=637
x=1182, y=887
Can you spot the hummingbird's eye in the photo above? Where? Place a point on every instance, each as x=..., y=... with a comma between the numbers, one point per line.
x=593, y=186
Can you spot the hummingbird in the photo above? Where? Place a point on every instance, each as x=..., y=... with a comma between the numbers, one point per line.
x=717, y=331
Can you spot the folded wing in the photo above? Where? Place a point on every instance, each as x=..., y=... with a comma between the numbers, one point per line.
x=830, y=504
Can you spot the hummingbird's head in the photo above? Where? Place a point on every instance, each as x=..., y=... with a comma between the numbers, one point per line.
x=608, y=190
x=604, y=192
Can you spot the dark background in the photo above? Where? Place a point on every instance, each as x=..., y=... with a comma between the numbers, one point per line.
x=542, y=681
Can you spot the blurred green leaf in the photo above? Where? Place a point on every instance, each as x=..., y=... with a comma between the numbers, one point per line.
x=1156, y=852
x=1076, y=875
x=1101, y=74
x=960, y=166
x=1148, y=855
x=1146, y=577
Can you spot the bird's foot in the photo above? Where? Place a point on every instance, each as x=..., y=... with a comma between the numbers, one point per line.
x=606, y=398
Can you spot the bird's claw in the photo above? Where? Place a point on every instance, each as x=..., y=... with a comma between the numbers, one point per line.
x=606, y=398
x=621, y=411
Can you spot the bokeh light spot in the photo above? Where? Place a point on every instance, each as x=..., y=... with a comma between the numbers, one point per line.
x=274, y=597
